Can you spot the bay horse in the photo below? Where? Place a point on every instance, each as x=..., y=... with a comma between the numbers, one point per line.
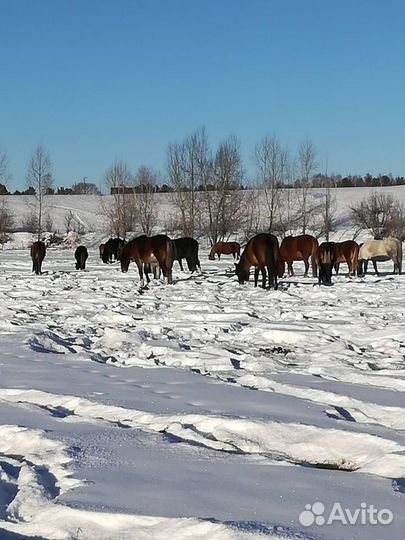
x=112, y=250
x=262, y=252
x=325, y=258
x=298, y=248
x=38, y=252
x=225, y=248
x=81, y=255
x=146, y=251
x=378, y=251
x=347, y=252
x=187, y=248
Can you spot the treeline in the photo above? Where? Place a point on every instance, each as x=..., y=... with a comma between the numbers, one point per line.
x=80, y=188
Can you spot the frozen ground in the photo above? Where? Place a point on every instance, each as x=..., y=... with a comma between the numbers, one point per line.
x=202, y=410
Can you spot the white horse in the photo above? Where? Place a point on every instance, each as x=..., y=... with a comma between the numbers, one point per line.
x=379, y=251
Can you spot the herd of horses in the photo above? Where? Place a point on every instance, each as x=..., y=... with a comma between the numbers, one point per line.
x=262, y=252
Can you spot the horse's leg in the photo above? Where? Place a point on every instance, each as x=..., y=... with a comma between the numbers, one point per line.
x=306, y=263
x=375, y=267
x=181, y=265
x=264, y=277
x=314, y=266
x=290, y=269
x=140, y=270
x=337, y=265
x=256, y=275
x=272, y=276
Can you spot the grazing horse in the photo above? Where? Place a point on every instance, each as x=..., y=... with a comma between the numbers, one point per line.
x=225, y=248
x=325, y=258
x=298, y=248
x=379, y=251
x=146, y=251
x=187, y=248
x=112, y=250
x=81, y=255
x=262, y=252
x=348, y=253
x=38, y=251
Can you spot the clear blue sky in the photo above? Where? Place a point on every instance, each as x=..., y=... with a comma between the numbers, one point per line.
x=95, y=80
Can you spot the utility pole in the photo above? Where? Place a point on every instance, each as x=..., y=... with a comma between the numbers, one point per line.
x=84, y=185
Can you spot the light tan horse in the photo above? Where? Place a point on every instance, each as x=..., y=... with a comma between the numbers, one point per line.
x=380, y=250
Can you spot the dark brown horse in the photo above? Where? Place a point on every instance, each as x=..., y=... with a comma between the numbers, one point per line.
x=81, y=255
x=112, y=250
x=225, y=248
x=145, y=251
x=326, y=258
x=298, y=248
x=347, y=252
x=187, y=248
x=262, y=252
x=38, y=251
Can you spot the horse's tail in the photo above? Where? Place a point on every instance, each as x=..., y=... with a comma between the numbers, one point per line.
x=355, y=260
x=314, y=251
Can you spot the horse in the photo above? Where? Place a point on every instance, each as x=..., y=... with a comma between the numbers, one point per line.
x=187, y=248
x=325, y=259
x=379, y=251
x=148, y=250
x=225, y=248
x=347, y=252
x=112, y=250
x=38, y=252
x=81, y=255
x=298, y=248
x=262, y=252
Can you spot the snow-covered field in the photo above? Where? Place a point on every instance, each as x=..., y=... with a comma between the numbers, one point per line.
x=201, y=410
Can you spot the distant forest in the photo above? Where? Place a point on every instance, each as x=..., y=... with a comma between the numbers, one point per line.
x=318, y=180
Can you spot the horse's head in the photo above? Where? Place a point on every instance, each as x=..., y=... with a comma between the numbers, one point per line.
x=242, y=273
x=124, y=263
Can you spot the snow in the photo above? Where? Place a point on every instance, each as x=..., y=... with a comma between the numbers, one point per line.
x=201, y=410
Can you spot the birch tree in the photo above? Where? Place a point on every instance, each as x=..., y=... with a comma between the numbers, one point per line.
x=39, y=178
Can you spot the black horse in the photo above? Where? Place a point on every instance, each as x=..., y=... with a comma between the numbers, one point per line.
x=38, y=251
x=326, y=259
x=81, y=256
x=112, y=250
x=187, y=248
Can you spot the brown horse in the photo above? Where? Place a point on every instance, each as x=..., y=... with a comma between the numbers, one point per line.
x=225, y=248
x=298, y=248
x=325, y=258
x=347, y=252
x=146, y=251
x=38, y=251
x=262, y=252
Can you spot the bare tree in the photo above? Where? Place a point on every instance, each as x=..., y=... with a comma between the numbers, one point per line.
x=4, y=168
x=39, y=178
x=271, y=163
x=146, y=181
x=222, y=197
x=120, y=208
x=187, y=165
x=381, y=214
x=307, y=166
